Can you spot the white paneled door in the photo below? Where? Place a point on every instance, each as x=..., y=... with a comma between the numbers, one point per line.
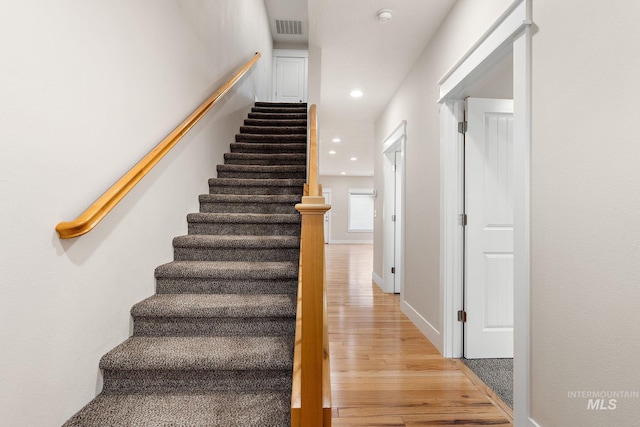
x=488, y=329
x=291, y=79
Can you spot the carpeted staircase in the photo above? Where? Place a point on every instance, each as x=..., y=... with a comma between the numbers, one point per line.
x=214, y=346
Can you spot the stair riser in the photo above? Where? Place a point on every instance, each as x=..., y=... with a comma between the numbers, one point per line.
x=258, y=208
x=235, y=254
x=285, y=161
x=218, y=326
x=262, y=175
x=271, y=139
x=281, y=104
x=274, y=130
x=275, y=122
x=217, y=286
x=268, y=148
x=194, y=380
x=280, y=110
x=255, y=190
x=243, y=229
x=278, y=116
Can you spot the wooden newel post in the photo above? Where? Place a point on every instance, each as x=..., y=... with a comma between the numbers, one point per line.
x=312, y=210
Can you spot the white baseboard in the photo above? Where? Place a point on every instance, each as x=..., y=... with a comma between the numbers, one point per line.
x=377, y=279
x=421, y=323
x=350, y=242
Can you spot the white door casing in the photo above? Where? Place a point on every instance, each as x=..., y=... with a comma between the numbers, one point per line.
x=291, y=79
x=489, y=231
x=392, y=215
x=512, y=32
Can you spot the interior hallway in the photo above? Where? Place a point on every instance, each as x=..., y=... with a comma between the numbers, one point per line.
x=384, y=372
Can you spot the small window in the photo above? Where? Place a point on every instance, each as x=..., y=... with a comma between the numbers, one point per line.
x=360, y=211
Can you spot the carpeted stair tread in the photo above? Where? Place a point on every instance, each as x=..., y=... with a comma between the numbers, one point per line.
x=228, y=270
x=216, y=305
x=280, y=110
x=271, y=139
x=236, y=242
x=207, y=247
x=249, y=198
x=201, y=409
x=265, y=159
x=263, y=168
x=255, y=147
x=274, y=130
x=247, y=182
x=262, y=171
x=278, y=116
x=276, y=122
x=247, y=203
x=281, y=104
x=200, y=354
x=244, y=218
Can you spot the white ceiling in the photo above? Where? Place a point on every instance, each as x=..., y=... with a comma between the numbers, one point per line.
x=358, y=53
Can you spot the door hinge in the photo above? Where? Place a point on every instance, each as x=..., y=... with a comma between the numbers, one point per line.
x=462, y=219
x=393, y=218
x=393, y=270
x=462, y=127
x=462, y=316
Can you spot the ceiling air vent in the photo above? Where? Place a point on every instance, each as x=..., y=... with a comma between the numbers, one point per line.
x=288, y=27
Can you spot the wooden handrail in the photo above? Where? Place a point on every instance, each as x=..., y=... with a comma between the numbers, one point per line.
x=88, y=219
x=311, y=394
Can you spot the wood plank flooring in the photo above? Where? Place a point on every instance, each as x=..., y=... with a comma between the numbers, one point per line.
x=384, y=372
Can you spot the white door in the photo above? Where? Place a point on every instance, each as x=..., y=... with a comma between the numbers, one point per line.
x=397, y=243
x=392, y=221
x=326, y=193
x=488, y=331
x=389, y=222
x=291, y=79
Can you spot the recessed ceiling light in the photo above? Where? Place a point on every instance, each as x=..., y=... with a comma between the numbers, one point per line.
x=343, y=173
x=356, y=93
x=354, y=159
x=332, y=152
x=336, y=139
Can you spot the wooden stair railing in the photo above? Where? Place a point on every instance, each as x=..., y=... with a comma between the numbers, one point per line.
x=311, y=394
x=87, y=220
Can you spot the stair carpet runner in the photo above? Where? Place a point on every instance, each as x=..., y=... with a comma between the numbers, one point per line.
x=214, y=345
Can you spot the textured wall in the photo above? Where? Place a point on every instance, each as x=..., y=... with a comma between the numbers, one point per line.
x=585, y=290
x=87, y=88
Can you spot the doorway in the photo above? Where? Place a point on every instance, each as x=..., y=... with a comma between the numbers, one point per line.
x=392, y=212
x=488, y=244
x=510, y=34
x=488, y=221
x=290, y=69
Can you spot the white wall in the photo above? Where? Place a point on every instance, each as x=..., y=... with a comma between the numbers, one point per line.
x=86, y=89
x=415, y=102
x=339, y=186
x=585, y=291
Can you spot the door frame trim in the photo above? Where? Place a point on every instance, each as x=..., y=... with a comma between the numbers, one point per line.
x=396, y=142
x=289, y=53
x=512, y=31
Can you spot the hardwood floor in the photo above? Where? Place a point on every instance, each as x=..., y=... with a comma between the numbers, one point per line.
x=384, y=372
